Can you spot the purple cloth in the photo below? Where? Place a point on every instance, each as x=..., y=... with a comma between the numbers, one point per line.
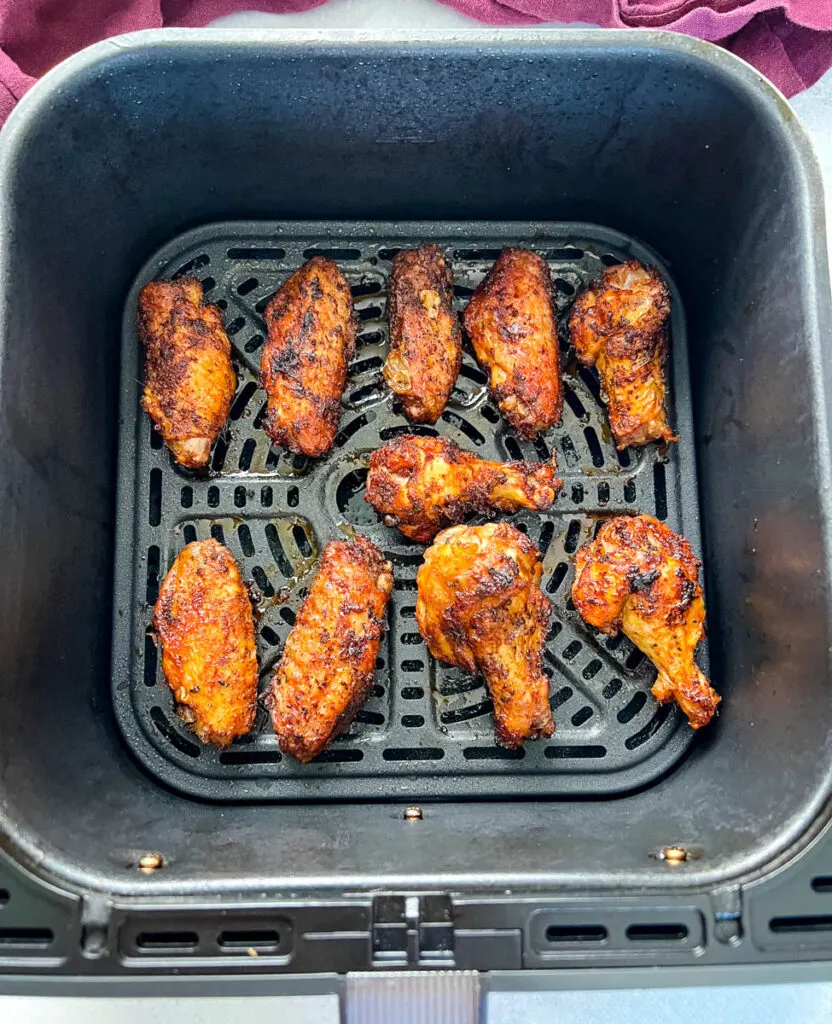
x=790, y=41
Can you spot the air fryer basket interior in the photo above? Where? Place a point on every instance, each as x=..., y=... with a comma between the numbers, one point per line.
x=660, y=138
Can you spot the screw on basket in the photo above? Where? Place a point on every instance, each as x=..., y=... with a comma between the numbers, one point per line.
x=674, y=854
x=412, y=814
x=150, y=862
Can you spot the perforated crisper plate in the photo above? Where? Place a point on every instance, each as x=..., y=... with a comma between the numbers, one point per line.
x=427, y=729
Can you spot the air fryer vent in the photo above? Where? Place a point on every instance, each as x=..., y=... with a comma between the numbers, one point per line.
x=207, y=936
x=427, y=729
x=25, y=938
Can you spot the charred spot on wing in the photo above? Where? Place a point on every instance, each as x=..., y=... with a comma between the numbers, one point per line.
x=504, y=575
x=644, y=580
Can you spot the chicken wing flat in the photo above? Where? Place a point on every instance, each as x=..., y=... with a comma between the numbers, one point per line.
x=620, y=325
x=424, y=484
x=425, y=337
x=642, y=578
x=311, y=339
x=512, y=326
x=326, y=672
x=204, y=623
x=189, y=378
x=480, y=608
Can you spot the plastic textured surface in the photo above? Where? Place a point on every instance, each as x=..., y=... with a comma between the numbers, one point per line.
x=427, y=729
x=667, y=140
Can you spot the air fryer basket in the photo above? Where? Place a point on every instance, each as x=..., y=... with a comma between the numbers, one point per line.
x=427, y=729
x=672, y=145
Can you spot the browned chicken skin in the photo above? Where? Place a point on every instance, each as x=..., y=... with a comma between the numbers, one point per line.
x=326, y=672
x=204, y=623
x=642, y=578
x=189, y=378
x=311, y=339
x=511, y=323
x=424, y=484
x=620, y=326
x=480, y=608
x=425, y=337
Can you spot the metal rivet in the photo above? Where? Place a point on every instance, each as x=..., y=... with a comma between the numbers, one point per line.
x=674, y=854
x=412, y=814
x=150, y=862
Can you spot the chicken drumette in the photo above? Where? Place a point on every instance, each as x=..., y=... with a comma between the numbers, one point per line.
x=424, y=484
x=311, y=339
x=326, y=671
x=204, y=623
x=189, y=380
x=511, y=323
x=425, y=337
x=620, y=325
x=480, y=608
x=642, y=578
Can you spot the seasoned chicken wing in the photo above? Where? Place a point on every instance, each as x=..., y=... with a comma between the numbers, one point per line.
x=480, y=608
x=642, y=578
x=311, y=339
x=423, y=484
x=204, y=623
x=189, y=380
x=425, y=337
x=620, y=325
x=326, y=672
x=511, y=323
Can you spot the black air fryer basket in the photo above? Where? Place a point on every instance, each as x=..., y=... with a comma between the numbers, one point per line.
x=130, y=848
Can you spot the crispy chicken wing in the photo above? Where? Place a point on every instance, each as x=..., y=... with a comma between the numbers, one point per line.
x=326, y=672
x=620, y=326
x=642, y=578
x=204, y=623
x=311, y=339
x=425, y=337
x=480, y=608
x=423, y=484
x=511, y=323
x=189, y=378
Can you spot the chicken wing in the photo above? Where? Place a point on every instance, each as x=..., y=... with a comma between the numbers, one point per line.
x=511, y=323
x=423, y=484
x=642, y=578
x=480, y=608
x=425, y=337
x=204, y=623
x=620, y=326
x=189, y=378
x=311, y=339
x=326, y=672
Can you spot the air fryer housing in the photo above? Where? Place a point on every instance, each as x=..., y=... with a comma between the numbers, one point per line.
x=662, y=138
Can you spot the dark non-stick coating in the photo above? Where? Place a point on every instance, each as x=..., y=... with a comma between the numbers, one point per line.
x=427, y=729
